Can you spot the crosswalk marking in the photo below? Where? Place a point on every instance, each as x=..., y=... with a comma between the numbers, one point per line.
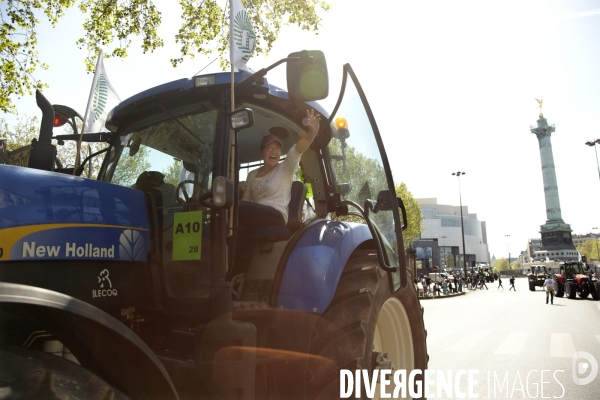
x=561, y=345
x=513, y=343
x=469, y=341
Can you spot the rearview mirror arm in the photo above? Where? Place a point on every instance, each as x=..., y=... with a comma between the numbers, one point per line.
x=261, y=73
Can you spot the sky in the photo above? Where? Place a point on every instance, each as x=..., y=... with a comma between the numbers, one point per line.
x=452, y=85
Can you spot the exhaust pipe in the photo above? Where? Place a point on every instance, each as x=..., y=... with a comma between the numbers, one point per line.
x=42, y=153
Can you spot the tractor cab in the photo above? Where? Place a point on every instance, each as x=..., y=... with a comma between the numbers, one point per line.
x=571, y=270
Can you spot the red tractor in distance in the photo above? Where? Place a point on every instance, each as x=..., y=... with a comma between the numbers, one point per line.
x=571, y=280
x=537, y=276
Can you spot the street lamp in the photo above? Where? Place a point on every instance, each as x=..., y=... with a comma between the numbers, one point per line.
x=462, y=225
x=443, y=252
x=594, y=143
x=597, y=253
x=508, y=247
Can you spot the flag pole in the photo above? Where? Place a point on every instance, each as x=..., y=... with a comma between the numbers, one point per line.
x=87, y=110
x=233, y=173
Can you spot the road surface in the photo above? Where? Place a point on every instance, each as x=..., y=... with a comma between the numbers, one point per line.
x=521, y=347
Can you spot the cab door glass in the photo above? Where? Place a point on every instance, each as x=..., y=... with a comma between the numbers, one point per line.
x=358, y=165
x=172, y=160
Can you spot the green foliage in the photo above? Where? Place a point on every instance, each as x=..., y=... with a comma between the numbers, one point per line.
x=366, y=175
x=357, y=171
x=130, y=168
x=589, y=248
x=18, y=46
x=501, y=264
x=171, y=173
x=21, y=134
x=205, y=25
x=413, y=214
x=109, y=21
x=112, y=24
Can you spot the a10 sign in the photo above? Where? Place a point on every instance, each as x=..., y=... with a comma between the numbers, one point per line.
x=187, y=235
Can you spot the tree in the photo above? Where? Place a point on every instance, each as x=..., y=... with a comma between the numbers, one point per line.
x=413, y=214
x=366, y=178
x=171, y=173
x=21, y=134
x=113, y=24
x=501, y=264
x=589, y=248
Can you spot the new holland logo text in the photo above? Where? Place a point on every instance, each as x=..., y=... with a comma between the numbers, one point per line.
x=106, y=289
x=70, y=250
x=127, y=245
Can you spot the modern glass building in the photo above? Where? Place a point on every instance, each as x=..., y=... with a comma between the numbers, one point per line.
x=442, y=232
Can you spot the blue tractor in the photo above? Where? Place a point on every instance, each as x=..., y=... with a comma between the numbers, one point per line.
x=135, y=279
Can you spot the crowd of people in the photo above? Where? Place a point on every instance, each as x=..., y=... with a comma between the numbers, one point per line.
x=446, y=284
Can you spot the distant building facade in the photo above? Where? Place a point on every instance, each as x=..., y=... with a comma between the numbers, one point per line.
x=578, y=240
x=534, y=245
x=441, y=240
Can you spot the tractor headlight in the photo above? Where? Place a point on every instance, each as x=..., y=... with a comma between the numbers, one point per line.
x=205, y=80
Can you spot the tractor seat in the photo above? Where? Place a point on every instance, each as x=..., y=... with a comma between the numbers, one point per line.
x=271, y=234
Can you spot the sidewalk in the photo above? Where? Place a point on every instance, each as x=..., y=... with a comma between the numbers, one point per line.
x=441, y=296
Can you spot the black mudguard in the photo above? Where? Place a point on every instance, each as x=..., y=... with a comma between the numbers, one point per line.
x=101, y=343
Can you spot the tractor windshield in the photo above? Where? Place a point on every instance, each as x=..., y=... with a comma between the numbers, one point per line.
x=172, y=161
x=359, y=165
x=168, y=147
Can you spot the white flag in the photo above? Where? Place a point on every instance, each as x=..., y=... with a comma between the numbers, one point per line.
x=103, y=98
x=242, y=39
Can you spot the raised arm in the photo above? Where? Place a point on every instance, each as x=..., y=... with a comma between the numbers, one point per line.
x=306, y=138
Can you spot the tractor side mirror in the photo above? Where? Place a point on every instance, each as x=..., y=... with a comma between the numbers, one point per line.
x=307, y=78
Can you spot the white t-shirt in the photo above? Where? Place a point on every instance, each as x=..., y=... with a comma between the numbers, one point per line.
x=274, y=189
x=549, y=282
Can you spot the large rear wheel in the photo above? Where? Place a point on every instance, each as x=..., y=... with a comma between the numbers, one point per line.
x=28, y=373
x=560, y=288
x=570, y=290
x=365, y=327
x=596, y=290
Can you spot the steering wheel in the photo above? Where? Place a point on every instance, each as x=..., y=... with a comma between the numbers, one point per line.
x=185, y=194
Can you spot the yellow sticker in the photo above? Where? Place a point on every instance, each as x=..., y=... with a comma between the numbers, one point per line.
x=187, y=235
